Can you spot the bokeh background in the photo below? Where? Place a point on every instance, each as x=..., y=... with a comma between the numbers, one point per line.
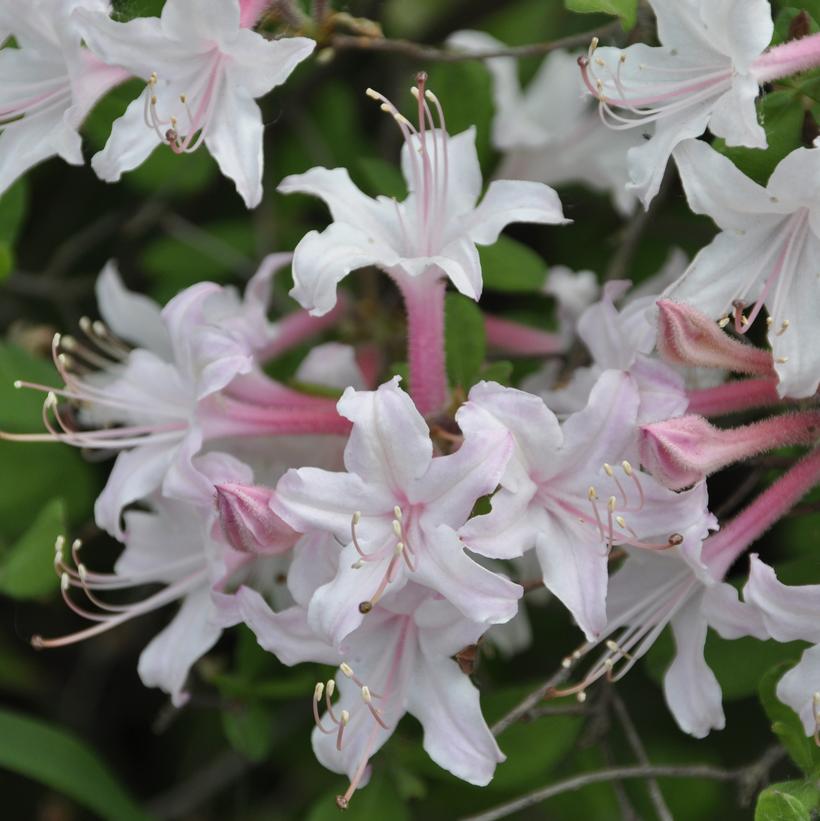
x=79, y=718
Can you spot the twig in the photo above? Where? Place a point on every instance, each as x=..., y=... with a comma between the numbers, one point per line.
x=611, y=774
x=555, y=710
x=635, y=743
x=634, y=230
x=531, y=701
x=430, y=54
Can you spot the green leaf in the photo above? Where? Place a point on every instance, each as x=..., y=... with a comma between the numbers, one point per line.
x=627, y=10
x=532, y=749
x=511, y=266
x=13, y=206
x=465, y=342
x=786, y=15
x=381, y=178
x=6, y=260
x=781, y=115
x=51, y=470
x=786, y=725
x=787, y=801
x=60, y=760
x=27, y=568
x=378, y=800
x=249, y=729
x=500, y=372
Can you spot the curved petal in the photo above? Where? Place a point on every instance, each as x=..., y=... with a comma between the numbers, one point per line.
x=735, y=115
x=130, y=143
x=789, y=612
x=456, y=736
x=799, y=686
x=454, y=483
x=135, y=475
x=731, y=617
x=390, y=442
x=509, y=530
x=131, y=316
x=575, y=564
x=691, y=689
x=234, y=138
x=265, y=64
x=509, y=201
x=740, y=28
x=322, y=261
x=166, y=661
x=286, y=634
x=479, y=594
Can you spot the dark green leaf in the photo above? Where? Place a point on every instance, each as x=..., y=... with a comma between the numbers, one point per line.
x=785, y=16
x=6, y=259
x=13, y=205
x=63, y=762
x=500, y=372
x=249, y=729
x=627, y=10
x=511, y=266
x=51, y=470
x=465, y=341
x=378, y=801
x=381, y=177
x=27, y=568
x=532, y=749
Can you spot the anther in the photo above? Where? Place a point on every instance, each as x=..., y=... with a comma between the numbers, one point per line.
x=397, y=513
x=783, y=327
x=374, y=95
x=330, y=687
x=581, y=697
x=18, y=384
x=345, y=716
x=724, y=321
x=621, y=521
x=675, y=539
x=65, y=582
x=318, y=691
x=397, y=527
x=365, y=607
x=611, y=504
x=608, y=469
x=346, y=669
x=566, y=663
x=592, y=494
x=612, y=646
x=782, y=360
x=627, y=467
x=366, y=697
x=357, y=565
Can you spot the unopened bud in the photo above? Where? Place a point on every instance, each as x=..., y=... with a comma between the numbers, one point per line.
x=248, y=523
x=688, y=337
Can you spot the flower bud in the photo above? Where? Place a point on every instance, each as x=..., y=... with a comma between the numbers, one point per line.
x=248, y=523
x=688, y=337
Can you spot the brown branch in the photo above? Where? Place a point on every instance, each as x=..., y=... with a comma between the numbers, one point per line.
x=433, y=54
x=611, y=774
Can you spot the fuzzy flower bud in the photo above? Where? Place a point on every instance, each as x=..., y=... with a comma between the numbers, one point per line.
x=688, y=337
x=248, y=523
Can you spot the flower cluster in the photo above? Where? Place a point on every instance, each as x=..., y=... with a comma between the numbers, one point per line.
x=380, y=524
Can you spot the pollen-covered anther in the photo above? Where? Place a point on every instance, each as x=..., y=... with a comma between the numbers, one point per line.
x=581, y=696
x=627, y=468
x=610, y=504
x=592, y=494
x=366, y=696
x=365, y=607
x=675, y=539
x=318, y=691
x=346, y=669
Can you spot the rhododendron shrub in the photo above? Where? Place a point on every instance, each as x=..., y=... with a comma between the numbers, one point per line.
x=409, y=410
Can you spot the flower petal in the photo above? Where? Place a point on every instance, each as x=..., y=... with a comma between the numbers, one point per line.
x=691, y=689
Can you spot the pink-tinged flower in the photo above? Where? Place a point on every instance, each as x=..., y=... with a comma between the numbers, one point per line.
x=50, y=83
x=396, y=511
x=703, y=75
x=549, y=132
x=561, y=496
x=399, y=660
x=683, y=590
x=791, y=613
x=621, y=339
x=708, y=73
x=204, y=67
x=430, y=235
x=195, y=380
x=167, y=546
x=766, y=254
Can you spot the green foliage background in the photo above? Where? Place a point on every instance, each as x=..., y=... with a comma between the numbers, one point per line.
x=79, y=735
